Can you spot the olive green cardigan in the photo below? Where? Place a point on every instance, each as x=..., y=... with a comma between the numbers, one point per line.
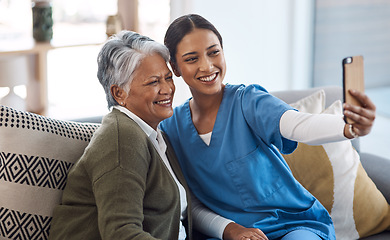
x=120, y=188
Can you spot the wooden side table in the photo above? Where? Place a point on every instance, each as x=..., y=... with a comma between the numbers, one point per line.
x=37, y=95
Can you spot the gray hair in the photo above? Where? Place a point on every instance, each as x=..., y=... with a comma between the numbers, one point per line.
x=120, y=56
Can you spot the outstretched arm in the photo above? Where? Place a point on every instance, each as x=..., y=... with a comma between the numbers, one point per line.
x=315, y=129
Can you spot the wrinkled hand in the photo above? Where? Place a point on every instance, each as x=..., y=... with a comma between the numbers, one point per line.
x=234, y=231
x=364, y=116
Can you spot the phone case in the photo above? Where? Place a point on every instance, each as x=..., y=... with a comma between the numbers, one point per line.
x=353, y=78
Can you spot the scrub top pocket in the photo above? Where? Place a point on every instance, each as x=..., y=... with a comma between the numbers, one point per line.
x=257, y=179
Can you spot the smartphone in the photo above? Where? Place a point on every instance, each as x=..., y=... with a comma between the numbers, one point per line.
x=353, y=78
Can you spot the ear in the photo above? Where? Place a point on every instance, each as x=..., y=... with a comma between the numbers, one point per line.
x=118, y=93
x=174, y=69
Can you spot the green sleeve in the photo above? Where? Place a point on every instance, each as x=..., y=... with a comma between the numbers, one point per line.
x=119, y=199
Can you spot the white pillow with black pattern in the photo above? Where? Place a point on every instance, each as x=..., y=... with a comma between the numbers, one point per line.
x=36, y=154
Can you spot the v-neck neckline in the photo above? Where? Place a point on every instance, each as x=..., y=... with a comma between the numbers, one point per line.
x=216, y=127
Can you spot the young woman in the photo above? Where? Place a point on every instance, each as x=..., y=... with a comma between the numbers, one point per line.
x=227, y=138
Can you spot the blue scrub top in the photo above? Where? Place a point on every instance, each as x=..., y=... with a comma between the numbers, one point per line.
x=241, y=174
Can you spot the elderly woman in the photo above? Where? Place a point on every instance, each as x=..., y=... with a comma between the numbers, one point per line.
x=127, y=184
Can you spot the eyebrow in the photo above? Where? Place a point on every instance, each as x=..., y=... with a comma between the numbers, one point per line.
x=190, y=53
x=156, y=76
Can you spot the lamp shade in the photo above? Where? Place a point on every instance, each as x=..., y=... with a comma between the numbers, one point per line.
x=13, y=71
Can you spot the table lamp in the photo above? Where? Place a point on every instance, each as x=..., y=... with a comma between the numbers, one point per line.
x=13, y=72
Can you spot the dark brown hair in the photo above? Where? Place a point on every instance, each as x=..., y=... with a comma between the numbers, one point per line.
x=183, y=25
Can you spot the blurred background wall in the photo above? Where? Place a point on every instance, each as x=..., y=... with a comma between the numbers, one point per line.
x=280, y=44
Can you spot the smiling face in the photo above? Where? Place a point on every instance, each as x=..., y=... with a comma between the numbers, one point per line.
x=151, y=91
x=200, y=61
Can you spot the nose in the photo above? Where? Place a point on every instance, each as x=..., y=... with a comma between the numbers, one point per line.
x=167, y=87
x=205, y=64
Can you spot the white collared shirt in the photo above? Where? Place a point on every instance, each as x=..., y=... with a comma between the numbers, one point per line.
x=160, y=145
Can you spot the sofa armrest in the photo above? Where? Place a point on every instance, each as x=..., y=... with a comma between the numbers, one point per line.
x=378, y=169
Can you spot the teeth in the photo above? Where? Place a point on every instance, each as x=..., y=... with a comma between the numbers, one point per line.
x=164, y=102
x=209, y=78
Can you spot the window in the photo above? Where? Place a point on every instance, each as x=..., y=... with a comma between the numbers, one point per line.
x=74, y=90
x=348, y=28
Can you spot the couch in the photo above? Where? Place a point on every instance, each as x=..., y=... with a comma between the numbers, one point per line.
x=36, y=153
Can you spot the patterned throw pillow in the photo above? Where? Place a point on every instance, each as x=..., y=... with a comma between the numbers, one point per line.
x=36, y=153
x=333, y=173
